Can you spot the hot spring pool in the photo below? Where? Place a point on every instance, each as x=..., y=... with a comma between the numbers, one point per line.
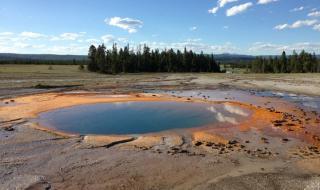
x=137, y=117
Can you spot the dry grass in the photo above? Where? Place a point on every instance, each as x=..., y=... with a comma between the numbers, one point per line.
x=28, y=76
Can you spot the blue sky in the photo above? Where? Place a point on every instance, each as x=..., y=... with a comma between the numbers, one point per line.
x=256, y=27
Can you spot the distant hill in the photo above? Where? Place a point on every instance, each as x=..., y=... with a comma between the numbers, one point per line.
x=237, y=58
x=40, y=57
x=233, y=58
x=223, y=58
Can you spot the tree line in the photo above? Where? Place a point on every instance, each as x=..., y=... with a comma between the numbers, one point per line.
x=143, y=59
x=295, y=63
x=44, y=62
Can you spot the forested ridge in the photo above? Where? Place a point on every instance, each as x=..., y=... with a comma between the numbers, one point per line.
x=295, y=63
x=144, y=59
x=124, y=60
x=42, y=59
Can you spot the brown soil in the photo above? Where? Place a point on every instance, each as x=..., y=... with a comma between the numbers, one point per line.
x=273, y=149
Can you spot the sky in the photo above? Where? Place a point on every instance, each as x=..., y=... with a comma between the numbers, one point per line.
x=255, y=27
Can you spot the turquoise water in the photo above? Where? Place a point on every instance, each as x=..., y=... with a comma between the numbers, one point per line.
x=129, y=117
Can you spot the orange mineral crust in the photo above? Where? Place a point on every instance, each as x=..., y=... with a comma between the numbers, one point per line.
x=283, y=120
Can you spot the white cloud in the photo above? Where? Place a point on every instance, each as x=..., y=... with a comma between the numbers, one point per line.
x=317, y=27
x=70, y=36
x=282, y=26
x=235, y=110
x=214, y=10
x=222, y=118
x=194, y=28
x=92, y=41
x=222, y=3
x=297, y=24
x=39, y=46
x=195, y=45
x=122, y=40
x=194, y=40
x=301, y=23
x=8, y=36
x=21, y=45
x=31, y=35
x=276, y=48
x=314, y=14
x=238, y=9
x=263, y=2
x=129, y=24
x=6, y=33
x=261, y=46
x=108, y=38
x=28, y=42
x=67, y=49
x=297, y=9
x=212, y=109
x=66, y=43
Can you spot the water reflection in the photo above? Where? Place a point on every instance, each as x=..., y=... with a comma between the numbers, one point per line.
x=235, y=110
x=139, y=117
x=231, y=109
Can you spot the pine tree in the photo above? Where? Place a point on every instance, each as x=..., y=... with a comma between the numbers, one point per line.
x=294, y=62
x=283, y=62
x=304, y=62
x=101, y=58
x=92, y=66
x=114, y=59
x=123, y=60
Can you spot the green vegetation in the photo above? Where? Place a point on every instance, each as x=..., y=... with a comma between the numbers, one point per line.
x=41, y=57
x=16, y=76
x=26, y=78
x=43, y=62
x=33, y=70
x=302, y=63
x=146, y=60
x=236, y=67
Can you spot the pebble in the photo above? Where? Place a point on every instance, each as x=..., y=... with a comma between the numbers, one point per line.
x=233, y=142
x=9, y=129
x=285, y=140
x=209, y=144
x=264, y=140
x=198, y=143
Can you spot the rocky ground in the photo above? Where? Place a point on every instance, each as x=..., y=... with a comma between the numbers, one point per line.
x=248, y=157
